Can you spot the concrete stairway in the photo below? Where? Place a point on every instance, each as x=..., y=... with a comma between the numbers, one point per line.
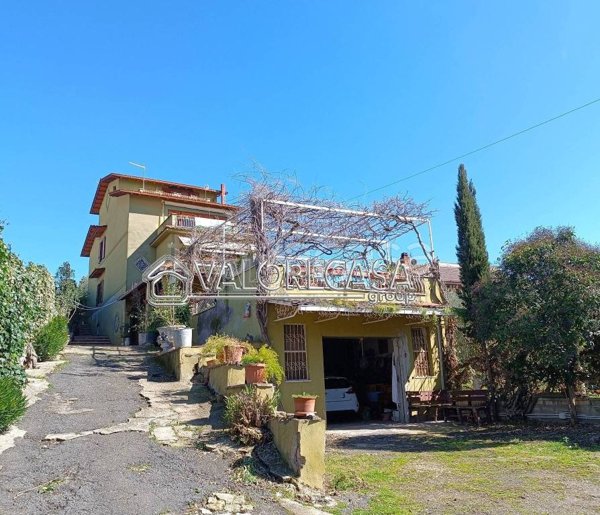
x=88, y=339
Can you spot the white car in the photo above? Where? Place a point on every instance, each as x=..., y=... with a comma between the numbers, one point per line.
x=339, y=395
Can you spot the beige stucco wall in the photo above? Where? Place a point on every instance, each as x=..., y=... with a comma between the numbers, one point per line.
x=222, y=376
x=182, y=363
x=301, y=444
x=349, y=327
x=114, y=214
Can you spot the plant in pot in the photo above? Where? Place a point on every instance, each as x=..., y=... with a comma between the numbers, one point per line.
x=304, y=404
x=262, y=365
x=223, y=348
x=172, y=322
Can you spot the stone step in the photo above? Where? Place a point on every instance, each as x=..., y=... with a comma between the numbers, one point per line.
x=90, y=340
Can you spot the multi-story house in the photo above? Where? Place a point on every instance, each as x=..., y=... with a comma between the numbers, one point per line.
x=139, y=220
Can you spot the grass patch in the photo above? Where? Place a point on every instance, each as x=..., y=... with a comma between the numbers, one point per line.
x=50, y=486
x=470, y=473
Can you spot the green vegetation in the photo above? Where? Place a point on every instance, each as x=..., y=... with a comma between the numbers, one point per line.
x=26, y=304
x=471, y=250
x=215, y=345
x=305, y=395
x=269, y=357
x=12, y=402
x=68, y=294
x=540, y=308
x=50, y=486
x=247, y=415
x=52, y=338
x=465, y=475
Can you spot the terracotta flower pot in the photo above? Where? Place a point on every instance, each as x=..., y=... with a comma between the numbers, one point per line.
x=256, y=373
x=233, y=354
x=304, y=406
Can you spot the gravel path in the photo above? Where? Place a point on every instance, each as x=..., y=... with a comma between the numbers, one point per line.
x=125, y=472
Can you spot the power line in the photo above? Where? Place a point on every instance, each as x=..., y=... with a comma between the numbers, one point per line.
x=484, y=147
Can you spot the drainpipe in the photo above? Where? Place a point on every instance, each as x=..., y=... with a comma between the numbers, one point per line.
x=438, y=334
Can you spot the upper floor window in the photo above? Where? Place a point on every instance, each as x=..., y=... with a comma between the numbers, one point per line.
x=102, y=250
x=420, y=352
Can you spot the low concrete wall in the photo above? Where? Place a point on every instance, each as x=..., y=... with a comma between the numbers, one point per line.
x=555, y=407
x=221, y=377
x=265, y=390
x=301, y=443
x=182, y=363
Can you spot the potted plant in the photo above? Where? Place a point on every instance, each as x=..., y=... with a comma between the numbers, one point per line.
x=171, y=323
x=225, y=349
x=304, y=404
x=262, y=365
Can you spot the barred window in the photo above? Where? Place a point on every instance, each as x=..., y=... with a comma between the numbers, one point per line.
x=294, y=345
x=420, y=352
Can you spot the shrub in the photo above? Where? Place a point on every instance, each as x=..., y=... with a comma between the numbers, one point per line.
x=12, y=402
x=270, y=358
x=52, y=338
x=247, y=414
x=216, y=343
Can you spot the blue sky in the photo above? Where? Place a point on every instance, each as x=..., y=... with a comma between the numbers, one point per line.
x=347, y=95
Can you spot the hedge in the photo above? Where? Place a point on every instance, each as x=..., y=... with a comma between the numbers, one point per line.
x=26, y=304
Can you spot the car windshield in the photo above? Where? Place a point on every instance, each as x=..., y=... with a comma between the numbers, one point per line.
x=336, y=382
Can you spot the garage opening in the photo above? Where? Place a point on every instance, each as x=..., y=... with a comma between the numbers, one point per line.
x=358, y=378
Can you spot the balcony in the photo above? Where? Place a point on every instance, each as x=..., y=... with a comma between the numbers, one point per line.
x=183, y=224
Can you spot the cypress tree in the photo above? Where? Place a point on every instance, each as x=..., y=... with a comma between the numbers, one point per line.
x=471, y=250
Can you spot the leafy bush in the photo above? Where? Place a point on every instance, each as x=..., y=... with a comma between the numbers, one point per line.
x=26, y=304
x=52, y=338
x=12, y=402
x=270, y=358
x=247, y=415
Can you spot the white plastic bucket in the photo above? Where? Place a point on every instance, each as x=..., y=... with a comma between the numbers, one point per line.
x=183, y=337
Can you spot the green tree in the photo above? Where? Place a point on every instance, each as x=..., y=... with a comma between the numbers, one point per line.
x=542, y=307
x=474, y=266
x=69, y=294
x=471, y=251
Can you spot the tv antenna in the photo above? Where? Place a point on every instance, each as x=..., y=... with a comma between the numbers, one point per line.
x=143, y=167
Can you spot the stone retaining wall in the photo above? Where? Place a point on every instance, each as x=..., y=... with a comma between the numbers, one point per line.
x=301, y=444
x=182, y=363
x=555, y=407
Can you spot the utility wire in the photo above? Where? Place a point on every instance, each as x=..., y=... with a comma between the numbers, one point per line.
x=484, y=147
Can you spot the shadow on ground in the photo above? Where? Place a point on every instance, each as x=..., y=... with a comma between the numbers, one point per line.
x=432, y=437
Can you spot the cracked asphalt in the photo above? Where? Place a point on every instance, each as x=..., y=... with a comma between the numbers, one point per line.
x=126, y=472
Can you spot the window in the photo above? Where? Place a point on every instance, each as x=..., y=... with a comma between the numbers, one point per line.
x=102, y=252
x=294, y=345
x=100, y=293
x=420, y=352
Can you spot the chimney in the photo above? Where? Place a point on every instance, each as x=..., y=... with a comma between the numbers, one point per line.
x=405, y=259
x=223, y=193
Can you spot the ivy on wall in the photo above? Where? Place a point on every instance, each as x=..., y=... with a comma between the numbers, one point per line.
x=26, y=304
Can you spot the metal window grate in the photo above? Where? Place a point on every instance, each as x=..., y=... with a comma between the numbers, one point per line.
x=294, y=342
x=420, y=352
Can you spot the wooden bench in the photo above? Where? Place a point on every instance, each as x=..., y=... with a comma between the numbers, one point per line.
x=468, y=405
x=428, y=400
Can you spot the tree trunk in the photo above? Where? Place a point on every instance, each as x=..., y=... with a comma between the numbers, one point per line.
x=491, y=381
x=570, y=394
